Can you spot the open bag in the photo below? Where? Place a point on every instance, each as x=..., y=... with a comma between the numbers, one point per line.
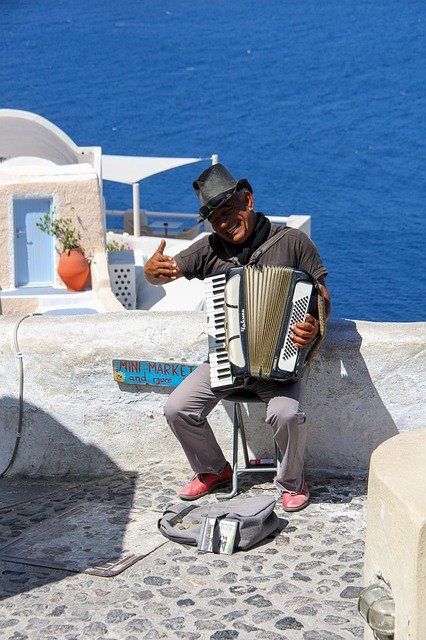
x=256, y=520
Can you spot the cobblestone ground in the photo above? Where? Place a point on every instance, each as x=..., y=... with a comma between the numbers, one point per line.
x=301, y=584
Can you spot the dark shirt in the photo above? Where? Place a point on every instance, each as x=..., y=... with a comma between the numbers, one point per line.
x=207, y=257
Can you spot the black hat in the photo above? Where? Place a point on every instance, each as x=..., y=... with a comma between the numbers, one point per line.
x=214, y=187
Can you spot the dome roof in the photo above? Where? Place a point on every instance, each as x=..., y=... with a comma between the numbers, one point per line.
x=26, y=134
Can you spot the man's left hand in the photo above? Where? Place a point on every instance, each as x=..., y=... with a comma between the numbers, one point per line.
x=305, y=332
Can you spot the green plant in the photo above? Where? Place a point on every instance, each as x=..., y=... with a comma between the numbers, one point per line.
x=62, y=229
x=114, y=245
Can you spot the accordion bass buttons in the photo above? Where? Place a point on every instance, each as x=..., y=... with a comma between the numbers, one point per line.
x=300, y=306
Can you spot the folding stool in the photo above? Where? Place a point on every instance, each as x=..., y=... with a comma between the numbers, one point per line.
x=244, y=396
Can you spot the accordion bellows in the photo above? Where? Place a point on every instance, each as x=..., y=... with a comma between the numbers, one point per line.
x=250, y=314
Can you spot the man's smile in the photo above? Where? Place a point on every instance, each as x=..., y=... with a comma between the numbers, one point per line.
x=232, y=228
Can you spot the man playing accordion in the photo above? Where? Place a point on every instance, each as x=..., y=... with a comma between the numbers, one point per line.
x=238, y=232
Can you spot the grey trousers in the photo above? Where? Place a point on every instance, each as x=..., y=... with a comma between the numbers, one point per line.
x=188, y=406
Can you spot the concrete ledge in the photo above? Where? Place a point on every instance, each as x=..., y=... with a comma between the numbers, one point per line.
x=396, y=529
x=364, y=388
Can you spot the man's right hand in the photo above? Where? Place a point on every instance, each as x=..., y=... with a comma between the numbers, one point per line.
x=161, y=269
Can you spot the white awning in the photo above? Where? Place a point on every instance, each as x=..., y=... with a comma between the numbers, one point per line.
x=132, y=169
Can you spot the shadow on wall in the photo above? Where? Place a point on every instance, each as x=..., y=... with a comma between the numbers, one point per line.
x=51, y=527
x=348, y=419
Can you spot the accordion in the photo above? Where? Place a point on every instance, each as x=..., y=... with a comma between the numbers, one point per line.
x=250, y=312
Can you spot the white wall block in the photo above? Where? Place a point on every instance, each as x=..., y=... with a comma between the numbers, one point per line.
x=122, y=274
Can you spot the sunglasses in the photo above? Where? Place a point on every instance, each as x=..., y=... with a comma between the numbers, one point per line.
x=206, y=210
x=222, y=215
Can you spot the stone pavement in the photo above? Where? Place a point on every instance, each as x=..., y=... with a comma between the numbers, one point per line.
x=301, y=584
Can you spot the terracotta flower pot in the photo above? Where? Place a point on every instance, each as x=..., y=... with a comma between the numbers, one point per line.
x=73, y=269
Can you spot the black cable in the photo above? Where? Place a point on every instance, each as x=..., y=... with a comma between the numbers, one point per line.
x=21, y=391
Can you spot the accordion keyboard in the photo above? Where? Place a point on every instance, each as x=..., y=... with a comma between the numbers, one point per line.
x=220, y=370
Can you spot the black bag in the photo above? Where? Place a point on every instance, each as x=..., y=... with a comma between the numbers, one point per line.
x=255, y=516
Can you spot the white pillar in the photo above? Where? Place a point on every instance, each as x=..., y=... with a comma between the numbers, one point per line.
x=136, y=210
x=215, y=158
x=395, y=545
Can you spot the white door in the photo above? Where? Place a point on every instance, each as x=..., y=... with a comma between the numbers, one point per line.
x=34, y=265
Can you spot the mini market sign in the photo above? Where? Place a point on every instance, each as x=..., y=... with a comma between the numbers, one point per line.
x=152, y=372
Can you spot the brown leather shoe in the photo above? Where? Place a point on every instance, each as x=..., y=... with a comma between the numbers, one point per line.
x=204, y=483
x=296, y=500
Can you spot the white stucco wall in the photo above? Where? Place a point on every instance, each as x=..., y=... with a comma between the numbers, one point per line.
x=365, y=387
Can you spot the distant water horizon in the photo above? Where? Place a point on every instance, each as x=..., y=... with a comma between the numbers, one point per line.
x=320, y=105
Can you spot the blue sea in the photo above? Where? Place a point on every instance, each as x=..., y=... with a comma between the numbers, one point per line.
x=319, y=103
